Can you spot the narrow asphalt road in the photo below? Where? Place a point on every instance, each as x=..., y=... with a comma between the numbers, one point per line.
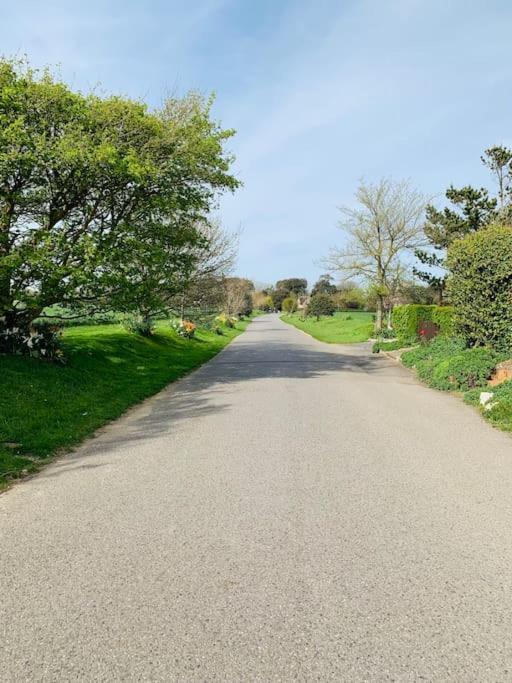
x=291, y=511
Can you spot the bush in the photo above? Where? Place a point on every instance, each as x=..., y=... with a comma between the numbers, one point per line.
x=39, y=341
x=447, y=364
x=440, y=347
x=352, y=298
x=226, y=320
x=137, y=324
x=386, y=333
x=407, y=319
x=480, y=286
x=469, y=369
x=185, y=328
x=320, y=304
x=289, y=305
x=499, y=412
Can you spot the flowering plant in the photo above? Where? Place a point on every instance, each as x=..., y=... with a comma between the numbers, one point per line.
x=185, y=328
x=38, y=342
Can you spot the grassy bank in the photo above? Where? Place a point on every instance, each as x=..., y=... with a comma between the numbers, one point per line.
x=342, y=328
x=45, y=407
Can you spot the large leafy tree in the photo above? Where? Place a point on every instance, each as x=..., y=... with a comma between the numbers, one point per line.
x=293, y=285
x=324, y=285
x=100, y=198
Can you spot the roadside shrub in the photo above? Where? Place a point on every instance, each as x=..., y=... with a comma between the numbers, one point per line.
x=468, y=369
x=480, y=286
x=226, y=320
x=289, y=305
x=440, y=347
x=352, y=298
x=320, y=304
x=500, y=411
x=39, y=341
x=138, y=324
x=387, y=333
x=447, y=364
x=185, y=328
x=408, y=318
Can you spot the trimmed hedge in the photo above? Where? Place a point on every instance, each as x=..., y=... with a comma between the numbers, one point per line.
x=481, y=286
x=408, y=318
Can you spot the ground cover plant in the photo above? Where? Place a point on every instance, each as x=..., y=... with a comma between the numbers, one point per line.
x=45, y=406
x=341, y=328
x=498, y=410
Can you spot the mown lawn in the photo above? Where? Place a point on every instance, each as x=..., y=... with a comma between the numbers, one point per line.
x=342, y=328
x=45, y=407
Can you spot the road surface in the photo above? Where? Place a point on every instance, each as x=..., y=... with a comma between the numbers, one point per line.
x=291, y=511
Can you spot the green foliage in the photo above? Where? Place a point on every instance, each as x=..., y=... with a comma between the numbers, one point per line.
x=45, y=407
x=443, y=317
x=185, y=328
x=228, y=321
x=39, y=341
x=499, y=411
x=267, y=304
x=324, y=285
x=293, y=285
x=100, y=199
x=289, y=304
x=353, y=298
x=466, y=370
x=473, y=210
x=440, y=347
x=407, y=319
x=320, y=304
x=137, y=324
x=447, y=364
x=481, y=286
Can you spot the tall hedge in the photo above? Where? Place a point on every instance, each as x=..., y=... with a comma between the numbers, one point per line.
x=408, y=318
x=480, y=286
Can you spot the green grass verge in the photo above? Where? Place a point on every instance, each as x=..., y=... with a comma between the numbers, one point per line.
x=45, y=407
x=342, y=328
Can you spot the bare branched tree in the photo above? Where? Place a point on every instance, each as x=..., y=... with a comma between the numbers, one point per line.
x=214, y=259
x=387, y=222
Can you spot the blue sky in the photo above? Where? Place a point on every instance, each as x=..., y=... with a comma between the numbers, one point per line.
x=321, y=92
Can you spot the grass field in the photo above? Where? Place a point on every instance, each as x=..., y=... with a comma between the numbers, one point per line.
x=45, y=407
x=342, y=328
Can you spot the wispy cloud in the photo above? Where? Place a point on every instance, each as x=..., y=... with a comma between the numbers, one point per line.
x=321, y=94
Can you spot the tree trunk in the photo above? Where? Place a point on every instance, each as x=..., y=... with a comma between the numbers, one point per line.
x=379, y=313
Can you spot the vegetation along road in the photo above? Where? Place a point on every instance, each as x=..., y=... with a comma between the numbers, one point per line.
x=291, y=510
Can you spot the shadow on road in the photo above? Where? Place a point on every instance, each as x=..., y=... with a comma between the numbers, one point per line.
x=268, y=350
